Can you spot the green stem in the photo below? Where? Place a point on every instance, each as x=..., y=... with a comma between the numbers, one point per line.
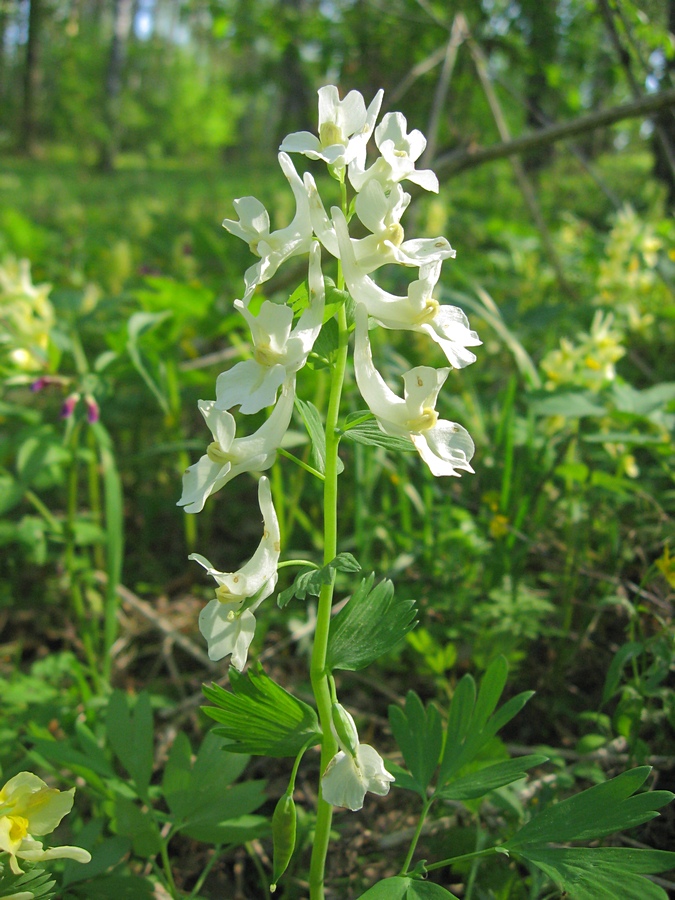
x=46, y=514
x=307, y=563
x=166, y=866
x=76, y=598
x=301, y=463
x=455, y=859
x=94, y=485
x=416, y=836
x=319, y=675
x=215, y=856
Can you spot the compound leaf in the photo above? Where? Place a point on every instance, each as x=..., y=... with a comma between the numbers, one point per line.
x=370, y=624
x=260, y=717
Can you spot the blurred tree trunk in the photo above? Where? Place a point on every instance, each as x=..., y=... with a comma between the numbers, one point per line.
x=665, y=122
x=31, y=80
x=542, y=40
x=122, y=14
x=4, y=18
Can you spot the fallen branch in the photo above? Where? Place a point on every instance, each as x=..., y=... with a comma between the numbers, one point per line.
x=450, y=164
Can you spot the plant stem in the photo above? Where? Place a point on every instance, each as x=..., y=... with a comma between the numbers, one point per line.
x=166, y=866
x=69, y=557
x=416, y=836
x=318, y=672
x=455, y=859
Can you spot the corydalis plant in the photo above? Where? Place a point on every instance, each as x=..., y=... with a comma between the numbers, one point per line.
x=259, y=716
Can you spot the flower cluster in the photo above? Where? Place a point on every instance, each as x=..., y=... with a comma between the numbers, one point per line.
x=26, y=317
x=588, y=362
x=282, y=341
x=28, y=807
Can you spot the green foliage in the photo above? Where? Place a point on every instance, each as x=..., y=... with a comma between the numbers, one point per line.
x=311, y=581
x=431, y=750
x=260, y=717
x=594, y=873
x=37, y=883
x=404, y=888
x=199, y=792
x=371, y=624
x=597, y=812
x=205, y=803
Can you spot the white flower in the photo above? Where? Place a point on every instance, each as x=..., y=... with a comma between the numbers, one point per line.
x=29, y=807
x=355, y=769
x=345, y=127
x=227, y=622
x=227, y=456
x=444, y=446
x=381, y=214
x=418, y=311
x=400, y=151
x=273, y=247
x=278, y=352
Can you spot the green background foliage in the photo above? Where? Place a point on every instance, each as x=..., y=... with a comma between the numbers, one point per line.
x=119, y=158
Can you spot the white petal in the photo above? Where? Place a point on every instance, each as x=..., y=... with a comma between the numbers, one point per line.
x=253, y=220
x=250, y=385
x=221, y=424
x=225, y=635
x=271, y=327
x=200, y=480
x=446, y=448
x=260, y=571
x=302, y=142
x=425, y=178
x=342, y=783
x=382, y=401
x=422, y=385
x=378, y=780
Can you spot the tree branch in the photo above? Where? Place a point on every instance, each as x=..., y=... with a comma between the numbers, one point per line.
x=450, y=164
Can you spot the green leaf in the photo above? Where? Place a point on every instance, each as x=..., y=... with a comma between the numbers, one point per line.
x=37, y=881
x=479, y=783
x=201, y=796
x=299, y=299
x=138, y=324
x=598, y=811
x=131, y=821
x=312, y=419
x=621, y=658
x=570, y=405
x=130, y=734
x=310, y=581
x=11, y=493
x=596, y=873
x=104, y=854
x=370, y=624
x=38, y=451
x=419, y=734
x=114, y=528
x=260, y=717
x=404, y=779
x=366, y=431
x=118, y=887
x=404, y=888
x=63, y=754
x=326, y=344
x=472, y=721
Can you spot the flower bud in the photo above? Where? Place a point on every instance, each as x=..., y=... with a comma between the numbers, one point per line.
x=69, y=405
x=345, y=729
x=93, y=411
